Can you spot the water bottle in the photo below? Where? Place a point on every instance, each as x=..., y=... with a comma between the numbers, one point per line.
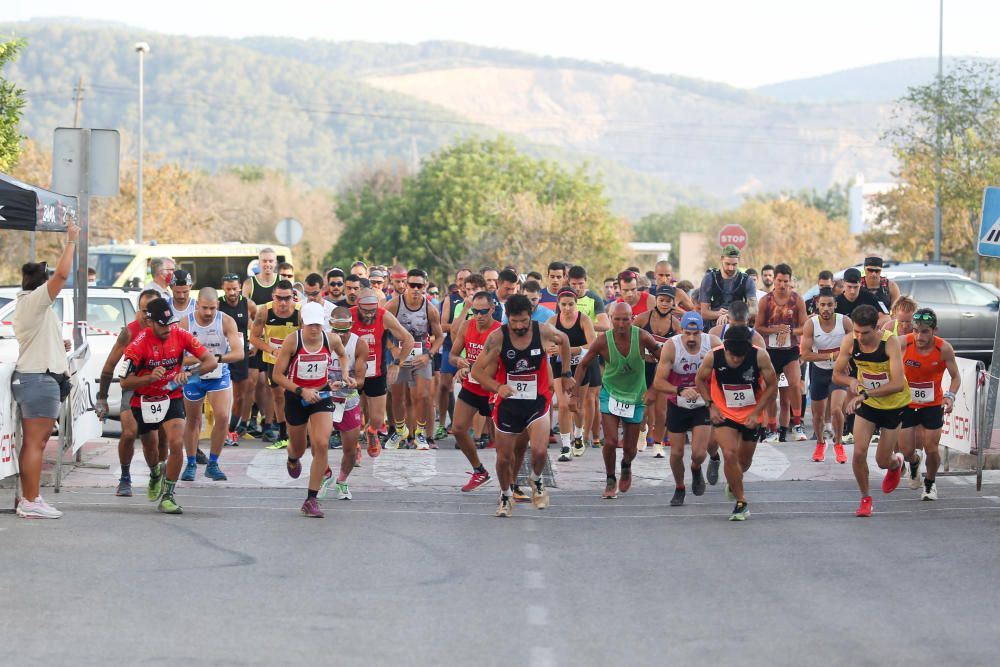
x=193, y=381
x=322, y=396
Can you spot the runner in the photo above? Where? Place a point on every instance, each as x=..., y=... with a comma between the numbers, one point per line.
x=301, y=370
x=623, y=392
x=925, y=359
x=877, y=396
x=853, y=296
x=724, y=286
x=579, y=330
x=678, y=365
x=346, y=402
x=513, y=365
x=610, y=290
x=334, y=285
x=661, y=323
x=737, y=381
x=637, y=301
x=242, y=310
x=258, y=290
x=901, y=314
x=156, y=378
x=446, y=382
x=491, y=276
x=825, y=279
x=884, y=290
x=767, y=275
x=533, y=291
x=374, y=324
x=822, y=336
x=415, y=314
x=557, y=280
x=180, y=289
x=470, y=337
x=664, y=275
x=218, y=333
x=275, y=321
x=126, y=442
x=780, y=318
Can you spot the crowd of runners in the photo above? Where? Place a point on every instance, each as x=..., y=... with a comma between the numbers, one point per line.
x=371, y=358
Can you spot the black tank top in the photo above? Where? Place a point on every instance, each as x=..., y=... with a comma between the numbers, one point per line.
x=261, y=294
x=577, y=338
x=746, y=373
x=649, y=324
x=240, y=313
x=528, y=360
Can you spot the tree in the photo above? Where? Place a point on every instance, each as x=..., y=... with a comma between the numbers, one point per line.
x=471, y=201
x=11, y=103
x=667, y=227
x=833, y=202
x=967, y=100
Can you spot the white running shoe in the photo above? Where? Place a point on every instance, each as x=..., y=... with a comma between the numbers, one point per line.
x=930, y=495
x=658, y=451
x=37, y=509
x=800, y=435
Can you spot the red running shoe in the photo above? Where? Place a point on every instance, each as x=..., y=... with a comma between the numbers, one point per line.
x=374, y=446
x=625, y=483
x=838, y=449
x=893, y=475
x=477, y=480
x=865, y=508
x=820, y=454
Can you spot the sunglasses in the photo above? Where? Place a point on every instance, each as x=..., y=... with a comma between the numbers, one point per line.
x=434, y=292
x=416, y=285
x=313, y=294
x=333, y=284
x=480, y=311
x=230, y=276
x=924, y=317
x=870, y=270
x=283, y=298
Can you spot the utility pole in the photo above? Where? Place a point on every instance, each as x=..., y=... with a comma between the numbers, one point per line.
x=78, y=99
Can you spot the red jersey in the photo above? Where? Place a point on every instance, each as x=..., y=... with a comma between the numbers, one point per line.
x=474, y=342
x=308, y=369
x=133, y=329
x=526, y=370
x=923, y=373
x=639, y=308
x=147, y=351
x=374, y=334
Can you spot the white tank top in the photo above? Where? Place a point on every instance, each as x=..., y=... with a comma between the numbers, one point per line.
x=827, y=343
x=686, y=364
x=213, y=338
x=335, y=373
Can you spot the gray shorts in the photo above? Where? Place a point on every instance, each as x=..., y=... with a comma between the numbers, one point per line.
x=409, y=375
x=37, y=394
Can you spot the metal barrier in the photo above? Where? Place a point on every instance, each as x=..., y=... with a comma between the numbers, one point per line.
x=982, y=436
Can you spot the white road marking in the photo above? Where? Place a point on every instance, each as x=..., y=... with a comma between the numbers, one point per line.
x=268, y=467
x=541, y=656
x=406, y=468
x=532, y=551
x=537, y=615
x=534, y=580
x=769, y=462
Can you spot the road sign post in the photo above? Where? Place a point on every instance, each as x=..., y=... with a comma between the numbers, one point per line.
x=288, y=231
x=733, y=235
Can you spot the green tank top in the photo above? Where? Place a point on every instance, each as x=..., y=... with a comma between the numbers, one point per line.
x=625, y=377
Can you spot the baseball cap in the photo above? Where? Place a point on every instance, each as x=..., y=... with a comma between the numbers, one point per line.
x=159, y=311
x=377, y=273
x=873, y=261
x=181, y=278
x=692, y=321
x=666, y=290
x=852, y=275
x=730, y=251
x=312, y=313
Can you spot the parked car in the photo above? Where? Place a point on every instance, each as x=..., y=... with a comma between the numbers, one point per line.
x=108, y=310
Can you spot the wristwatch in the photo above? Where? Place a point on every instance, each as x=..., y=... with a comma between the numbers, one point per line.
x=298, y=391
x=864, y=392
x=567, y=374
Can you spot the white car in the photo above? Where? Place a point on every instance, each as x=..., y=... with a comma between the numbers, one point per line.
x=108, y=310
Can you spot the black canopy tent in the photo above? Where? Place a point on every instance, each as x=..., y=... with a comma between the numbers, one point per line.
x=28, y=208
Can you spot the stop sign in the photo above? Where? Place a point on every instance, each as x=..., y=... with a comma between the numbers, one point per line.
x=733, y=235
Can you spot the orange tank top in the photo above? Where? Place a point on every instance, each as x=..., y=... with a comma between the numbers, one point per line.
x=923, y=373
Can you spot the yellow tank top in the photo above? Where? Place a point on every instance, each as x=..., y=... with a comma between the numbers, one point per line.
x=277, y=328
x=873, y=372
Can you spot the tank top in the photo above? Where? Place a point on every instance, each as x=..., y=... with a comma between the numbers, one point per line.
x=776, y=314
x=309, y=369
x=450, y=303
x=625, y=375
x=375, y=335
x=277, y=329
x=827, y=343
x=641, y=306
x=576, y=336
x=735, y=390
x=685, y=368
x=657, y=337
x=873, y=372
x=260, y=293
x=178, y=313
x=350, y=395
x=881, y=293
x=474, y=342
x=924, y=373
x=417, y=323
x=241, y=315
x=214, y=340
x=527, y=370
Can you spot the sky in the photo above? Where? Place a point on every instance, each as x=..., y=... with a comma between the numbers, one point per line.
x=741, y=43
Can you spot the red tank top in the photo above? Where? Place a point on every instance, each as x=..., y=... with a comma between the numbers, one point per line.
x=641, y=307
x=474, y=342
x=374, y=335
x=786, y=313
x=923, y=373
x=308, y=369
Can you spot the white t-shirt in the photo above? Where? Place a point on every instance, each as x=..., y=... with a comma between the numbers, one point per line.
x=39, y=333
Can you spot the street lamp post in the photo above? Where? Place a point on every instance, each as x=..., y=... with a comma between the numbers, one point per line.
x=142, y=48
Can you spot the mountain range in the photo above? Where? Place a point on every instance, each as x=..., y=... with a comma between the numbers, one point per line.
x=320, y=110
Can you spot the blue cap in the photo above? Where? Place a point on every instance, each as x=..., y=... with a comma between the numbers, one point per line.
x=692, y=321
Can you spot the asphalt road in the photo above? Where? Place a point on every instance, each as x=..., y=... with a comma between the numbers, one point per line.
x=429, y=577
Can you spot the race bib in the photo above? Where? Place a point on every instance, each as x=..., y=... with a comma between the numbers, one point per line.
x=922, y=392
x=214, y=374
x=311, y=366
x=620, y=408
x=577, y=358
x=276, y=343
x=739, y=395
x=370, y=369
x=690, y=403
x=339, y=406
x=772, y=340
x=154, y=408
x=418, y=350
x=525, y=387
x=872, y=381
x=782, y=380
